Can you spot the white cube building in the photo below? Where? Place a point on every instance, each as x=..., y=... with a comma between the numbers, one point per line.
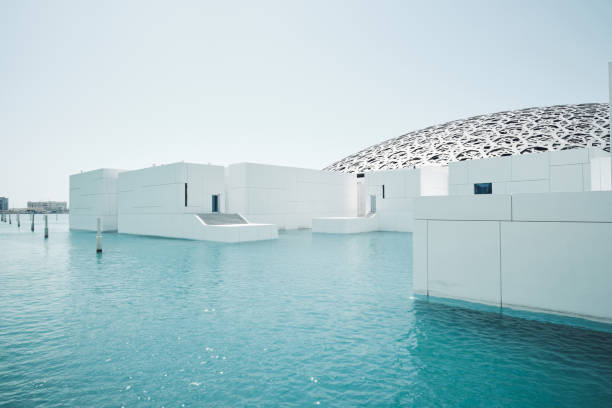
x=289, y=197
x=557, y=171
x=179, y=200
x=385, y=200
x=93, y=195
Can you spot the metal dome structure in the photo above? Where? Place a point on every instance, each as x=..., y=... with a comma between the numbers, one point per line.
x=508, y=133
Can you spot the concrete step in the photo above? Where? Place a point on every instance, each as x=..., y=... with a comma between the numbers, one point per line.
x=222, y=219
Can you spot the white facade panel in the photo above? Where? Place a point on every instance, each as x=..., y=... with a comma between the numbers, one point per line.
x=572, y=156
x=460, y=189
x=458, y=173
x=287, y=196
x=500, y=187
x=463, y=260
x=161, y=189
x=600, y=174
x=558, y=266
x=480, y=207
x=590, y=206
x=554, y=250
x=434, y=181
x=530, y=166
x=93, y=195
x=528, y=186
x=419, y=254
x=496, y=169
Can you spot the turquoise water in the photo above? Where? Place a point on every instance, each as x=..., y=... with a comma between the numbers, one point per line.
x=308, y=320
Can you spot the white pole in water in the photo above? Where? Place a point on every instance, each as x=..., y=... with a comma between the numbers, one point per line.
x=10, y=221
x=46, y=228
x=32, y=226
x=18, y=221
x=99, y=238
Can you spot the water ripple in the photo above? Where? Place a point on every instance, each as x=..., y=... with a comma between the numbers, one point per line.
x=303, y=321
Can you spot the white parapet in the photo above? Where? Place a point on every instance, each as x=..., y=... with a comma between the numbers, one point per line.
x=544, y=252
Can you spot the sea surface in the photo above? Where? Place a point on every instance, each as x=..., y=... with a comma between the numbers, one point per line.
x=306, y=320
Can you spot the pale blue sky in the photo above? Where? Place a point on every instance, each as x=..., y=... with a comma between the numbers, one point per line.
x=89, y=84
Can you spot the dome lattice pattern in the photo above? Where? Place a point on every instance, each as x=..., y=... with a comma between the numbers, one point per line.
x=508, y=133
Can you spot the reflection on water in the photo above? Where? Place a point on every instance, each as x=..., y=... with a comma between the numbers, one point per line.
x=302, y=320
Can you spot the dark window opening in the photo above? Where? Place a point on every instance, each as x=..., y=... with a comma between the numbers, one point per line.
x=185, y=194
x=360, y=175
x=483, y=188
x=383, y=191
x=215, y=203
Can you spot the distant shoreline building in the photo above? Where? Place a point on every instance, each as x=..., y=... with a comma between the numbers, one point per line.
x=4, y=204
x=48, y=206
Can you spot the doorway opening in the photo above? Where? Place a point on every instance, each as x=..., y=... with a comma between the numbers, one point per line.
x=215, y=203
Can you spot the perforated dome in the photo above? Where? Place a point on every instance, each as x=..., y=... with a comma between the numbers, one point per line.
x=508, y=133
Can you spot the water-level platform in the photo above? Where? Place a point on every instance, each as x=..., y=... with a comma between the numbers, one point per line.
x=345, y=225
x=216, y=227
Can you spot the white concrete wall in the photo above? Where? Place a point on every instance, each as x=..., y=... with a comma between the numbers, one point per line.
x=559, y=171
x=151, y=201
x=287, y=196
x=434, y=181
x=161, y=189
x=93, y=194
x=395, y=211
x=544, y=252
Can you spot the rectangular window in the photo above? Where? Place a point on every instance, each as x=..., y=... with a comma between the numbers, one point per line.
x=383, y=191
x=360, y=175
x=215, y=203
x=185, y=194
x=483, y=188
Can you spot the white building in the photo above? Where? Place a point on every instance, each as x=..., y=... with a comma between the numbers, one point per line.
x=557, y=171
x=243, y=202
x=93, y=195
x=495, y=221
x=182, y=200
x=289, y=197
x=539, y=238
x=385, y=200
